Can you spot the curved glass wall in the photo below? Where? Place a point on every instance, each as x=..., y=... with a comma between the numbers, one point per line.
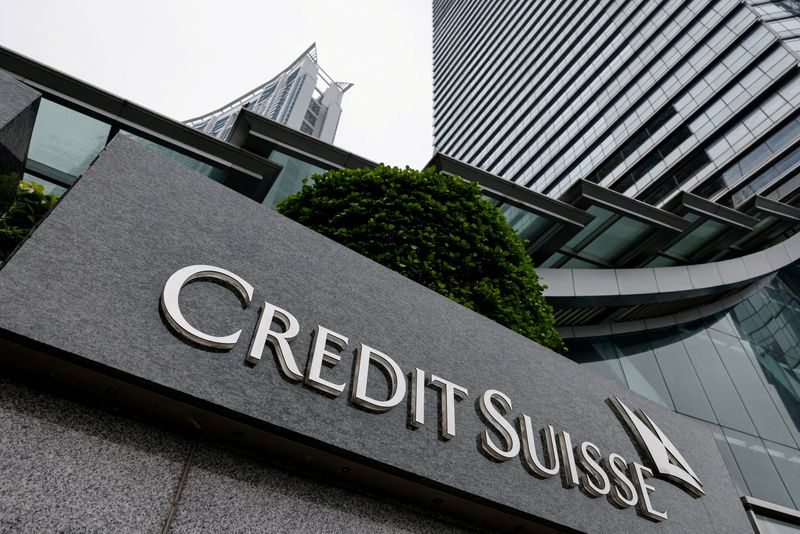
x=737, y=372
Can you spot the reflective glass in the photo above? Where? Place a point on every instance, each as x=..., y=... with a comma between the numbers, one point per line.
x=618, y=238
x=730, y=462
x=762, y=410
x=723, y=324
x=717, y=384
x=787, y=461
x=575, y=263
x=698, y=239
x=601, y=215
x=49, y=187
x=662, y=261
x=599, y=356
x=686, y=390
x=553, y=260
x=528, y=226
x=215, y=173
x=770, y=525
x=290, y=180
x=757, y=468
x=66, y=140
x=641, y=370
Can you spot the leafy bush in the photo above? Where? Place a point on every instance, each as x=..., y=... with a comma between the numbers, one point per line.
x=437, y=230
x=28, y=207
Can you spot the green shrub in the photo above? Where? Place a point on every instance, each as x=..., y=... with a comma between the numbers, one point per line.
x=28, y=207
x=437, y=230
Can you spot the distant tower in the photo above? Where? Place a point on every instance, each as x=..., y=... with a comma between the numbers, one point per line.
x=303, y=97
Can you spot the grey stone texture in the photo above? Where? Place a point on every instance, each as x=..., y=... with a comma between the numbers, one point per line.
x=88, y=282
x=68, y=468
x=228, y=491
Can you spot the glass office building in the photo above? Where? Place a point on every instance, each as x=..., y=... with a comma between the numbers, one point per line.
x=676, y=127
x=303, y=96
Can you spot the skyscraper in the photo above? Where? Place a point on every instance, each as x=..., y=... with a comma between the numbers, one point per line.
x=303, y=96
x=676, y=127
x=644, y=98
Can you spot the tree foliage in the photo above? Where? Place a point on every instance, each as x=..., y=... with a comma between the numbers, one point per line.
x=437, y=230
x=29, y=205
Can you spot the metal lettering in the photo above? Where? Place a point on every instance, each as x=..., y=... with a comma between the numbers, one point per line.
x=278, y=340
x=172, y=311
x=569, y=475
x=537, y=466
x=449, y=393
x=417, y=409
x=503, y=427
x=397, y=380
x=645, y=507
x=594, y=481
x=623, y=492
x=321, y=355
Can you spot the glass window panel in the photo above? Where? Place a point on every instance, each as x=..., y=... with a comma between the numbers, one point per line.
x=769, y=525
x=723, y=324
x=553, y=260
x=290, y=179
x=641, y=370
x=620, y=237
x=49, y=187
x=730, y=461
x=206, y=169
x=782, y=137
x=66, y=140
x=528, y=226
x=782, y=385
x=719, y=388
x=600, y=216
x=575, y=263
x=698, y=238
x=219, y=125
x=598, y=355
x=662, y=261
x=757, y=468
x=682, y=382
x=787, y=461
x=762, y=410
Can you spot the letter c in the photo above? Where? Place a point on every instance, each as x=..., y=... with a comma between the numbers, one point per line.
x=172, y=311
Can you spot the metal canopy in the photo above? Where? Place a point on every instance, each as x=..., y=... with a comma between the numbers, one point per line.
x=547, y=224
x=623, y=234
x=246, y=171
x=260, y=135
x=712, y=230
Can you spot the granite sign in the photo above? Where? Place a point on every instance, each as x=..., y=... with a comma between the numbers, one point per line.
x=582, y=466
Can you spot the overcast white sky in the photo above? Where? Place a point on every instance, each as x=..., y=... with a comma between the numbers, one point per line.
x=183, y=58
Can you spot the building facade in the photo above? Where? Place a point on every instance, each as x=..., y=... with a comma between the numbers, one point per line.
x=303, y=96
x=685, y=309
x=644, y=113
x=123, y=410
x=647, y=99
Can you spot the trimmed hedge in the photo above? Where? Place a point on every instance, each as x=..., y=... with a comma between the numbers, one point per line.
x=437, y=230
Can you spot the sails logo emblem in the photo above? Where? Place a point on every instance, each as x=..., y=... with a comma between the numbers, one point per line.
x=665, y=460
